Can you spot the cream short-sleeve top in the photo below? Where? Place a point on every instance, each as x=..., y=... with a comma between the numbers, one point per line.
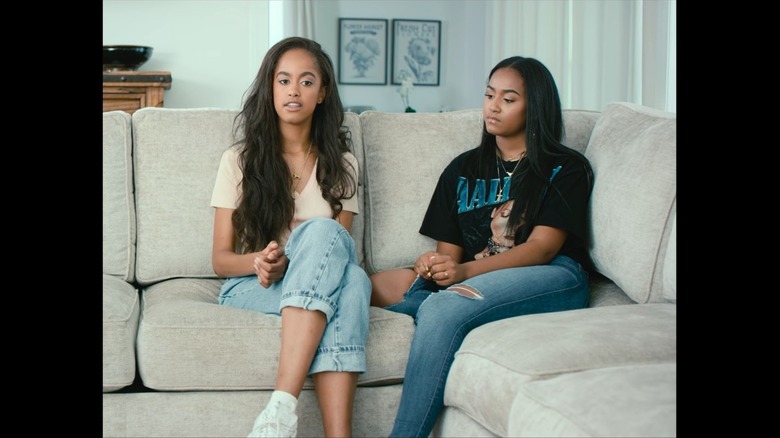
x=308, y=204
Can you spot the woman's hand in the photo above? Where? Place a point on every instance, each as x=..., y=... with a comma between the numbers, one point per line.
x=440, y=268
x=270, y=264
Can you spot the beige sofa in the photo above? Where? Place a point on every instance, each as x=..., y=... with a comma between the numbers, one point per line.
x=175, y=363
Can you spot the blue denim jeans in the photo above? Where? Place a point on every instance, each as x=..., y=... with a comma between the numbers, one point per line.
x=443, y=320
x=323, y=275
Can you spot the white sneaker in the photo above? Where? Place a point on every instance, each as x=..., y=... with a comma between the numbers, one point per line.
x=276, y=420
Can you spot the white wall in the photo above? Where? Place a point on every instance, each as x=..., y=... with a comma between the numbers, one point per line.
x=462, y=71
x=213, y=49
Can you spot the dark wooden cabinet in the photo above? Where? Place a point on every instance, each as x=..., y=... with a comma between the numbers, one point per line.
x=131, y=90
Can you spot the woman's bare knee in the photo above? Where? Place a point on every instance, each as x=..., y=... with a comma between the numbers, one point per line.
x=389, y=287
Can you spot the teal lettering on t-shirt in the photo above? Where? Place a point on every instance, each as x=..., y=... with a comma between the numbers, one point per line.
x=481, y=196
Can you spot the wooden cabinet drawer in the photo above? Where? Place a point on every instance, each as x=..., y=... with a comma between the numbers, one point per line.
x=131, y=90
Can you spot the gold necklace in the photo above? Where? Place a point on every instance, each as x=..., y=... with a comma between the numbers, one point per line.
x=519, y=158
x=501, y=163
x=297, y=175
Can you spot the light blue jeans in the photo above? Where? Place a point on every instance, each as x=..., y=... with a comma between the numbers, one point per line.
x=323, y=275
x=444, y=319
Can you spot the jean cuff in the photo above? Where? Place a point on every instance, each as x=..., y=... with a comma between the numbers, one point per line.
x=350, y=358
x=308, y=300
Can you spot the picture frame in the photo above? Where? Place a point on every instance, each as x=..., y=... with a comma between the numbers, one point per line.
x=363, y=49
x=416, y=51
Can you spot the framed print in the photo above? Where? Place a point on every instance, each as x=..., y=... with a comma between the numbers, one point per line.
x=416, y=51
x=362, y=51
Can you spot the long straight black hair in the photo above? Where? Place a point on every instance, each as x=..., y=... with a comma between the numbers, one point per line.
x=544, y=134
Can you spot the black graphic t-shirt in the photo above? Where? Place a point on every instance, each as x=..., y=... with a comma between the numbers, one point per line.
x=468, y=212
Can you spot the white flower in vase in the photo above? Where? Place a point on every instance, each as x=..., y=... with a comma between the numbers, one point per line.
x=407, y=83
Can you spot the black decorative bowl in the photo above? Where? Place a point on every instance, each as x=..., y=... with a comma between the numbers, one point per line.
x=125, y=57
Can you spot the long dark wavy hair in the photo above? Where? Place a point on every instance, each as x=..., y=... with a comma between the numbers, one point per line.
x=266, y=207
x=544, y=133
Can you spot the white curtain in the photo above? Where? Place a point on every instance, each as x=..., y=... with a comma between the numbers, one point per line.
x=298, y=18
x=599, y=51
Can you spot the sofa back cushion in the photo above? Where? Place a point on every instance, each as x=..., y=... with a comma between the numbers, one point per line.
x=578, y=126
x=404, y=155
x=633, y=153
x=177, y=153
x=118, y=202
x=352, y=122
x=670, y=264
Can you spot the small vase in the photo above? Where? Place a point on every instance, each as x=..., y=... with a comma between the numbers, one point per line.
x=409, y=110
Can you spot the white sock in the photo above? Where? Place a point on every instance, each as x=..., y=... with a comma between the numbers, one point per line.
x=288, y=400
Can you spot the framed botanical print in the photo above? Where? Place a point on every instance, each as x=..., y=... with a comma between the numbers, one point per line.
x=363, y=51
x=416, y=51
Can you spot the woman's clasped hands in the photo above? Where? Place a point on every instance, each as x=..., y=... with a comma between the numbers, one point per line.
x=439, y=268
x=270, y=264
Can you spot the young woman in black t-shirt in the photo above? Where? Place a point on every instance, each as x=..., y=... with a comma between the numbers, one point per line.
x=536, y=262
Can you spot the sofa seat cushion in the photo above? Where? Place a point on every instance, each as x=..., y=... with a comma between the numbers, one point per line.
x=624, y=401
x=231, y=413
x=604, y=292
x=187, y=341
x=120, y=326
x=453, y=422
x=498, y=359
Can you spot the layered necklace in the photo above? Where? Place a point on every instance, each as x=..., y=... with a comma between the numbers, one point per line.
x=297, y=175
x=500, y=162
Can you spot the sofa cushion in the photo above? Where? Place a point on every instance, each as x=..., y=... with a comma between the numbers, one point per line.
x=176, y=156
x=352, y=122
x=231, y=413
x=578, y=127
x=120, y=326
x=623, y=401
x=118, y=202
x=499, y=358
x=670, y=265
x=633, y=153
x=177, y=153
x=404, y=156
x=187, y=341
